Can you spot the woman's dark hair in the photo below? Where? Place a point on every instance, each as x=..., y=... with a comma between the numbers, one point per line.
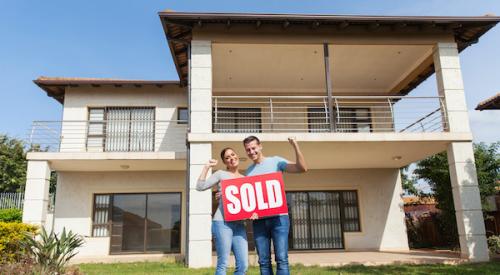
x=223, y=152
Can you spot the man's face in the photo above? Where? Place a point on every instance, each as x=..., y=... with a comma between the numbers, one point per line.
x=253, y=150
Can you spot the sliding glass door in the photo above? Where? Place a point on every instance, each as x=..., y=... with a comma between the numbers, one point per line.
x=145, y=223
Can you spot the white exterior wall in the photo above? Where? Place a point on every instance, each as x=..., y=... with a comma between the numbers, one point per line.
x=74, y=200
x=168, y=136
x=36, y=194
x=380, y=204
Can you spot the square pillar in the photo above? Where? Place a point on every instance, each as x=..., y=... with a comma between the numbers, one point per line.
x=468, y=210
x=36, y=193
x=450, y=86
x=199, y=208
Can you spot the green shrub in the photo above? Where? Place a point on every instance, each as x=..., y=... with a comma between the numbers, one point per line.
x=494, y=244
x=12, y=236
x=11, y=215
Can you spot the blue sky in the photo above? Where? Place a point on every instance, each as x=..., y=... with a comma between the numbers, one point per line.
x=124, y=39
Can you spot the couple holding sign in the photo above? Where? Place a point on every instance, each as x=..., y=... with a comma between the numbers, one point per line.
x=240, y=196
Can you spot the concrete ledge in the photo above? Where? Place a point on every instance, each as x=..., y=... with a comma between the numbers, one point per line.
x=367, y=258
x=334, y=137
x=105, y=155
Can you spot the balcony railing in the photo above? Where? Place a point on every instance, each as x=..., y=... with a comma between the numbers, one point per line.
x=108, y=136
x=261, y=114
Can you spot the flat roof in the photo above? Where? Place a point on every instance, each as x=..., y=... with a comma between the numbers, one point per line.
x=491, y=103
x=178, y=29
x=56, y=86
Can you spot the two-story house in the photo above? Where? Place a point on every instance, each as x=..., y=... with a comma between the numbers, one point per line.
x=128, y=153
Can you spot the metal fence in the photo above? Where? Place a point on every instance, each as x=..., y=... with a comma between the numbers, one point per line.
x=108, y=136
x=11, y=200
x=256, y=114
x=16, y=200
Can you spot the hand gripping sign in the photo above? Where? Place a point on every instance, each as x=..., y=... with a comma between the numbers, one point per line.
x=262, y=194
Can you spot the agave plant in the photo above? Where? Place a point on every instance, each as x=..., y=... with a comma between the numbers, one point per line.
x=52, y=252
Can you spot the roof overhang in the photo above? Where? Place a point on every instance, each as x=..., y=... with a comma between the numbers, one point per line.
x=492, y=103
x=56, y=86
x=178, y=28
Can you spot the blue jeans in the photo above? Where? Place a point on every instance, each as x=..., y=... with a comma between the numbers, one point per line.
x=230, y=236
x=276, y=229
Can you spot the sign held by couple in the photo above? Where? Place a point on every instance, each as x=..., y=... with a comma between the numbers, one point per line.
x=262, y=194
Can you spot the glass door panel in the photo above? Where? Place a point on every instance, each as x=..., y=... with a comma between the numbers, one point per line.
x=129, y=213
x=163, y=223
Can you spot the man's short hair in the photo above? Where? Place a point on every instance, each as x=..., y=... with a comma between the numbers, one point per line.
x=249, y=139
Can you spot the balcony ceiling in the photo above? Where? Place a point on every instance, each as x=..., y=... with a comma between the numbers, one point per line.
x=289, y=69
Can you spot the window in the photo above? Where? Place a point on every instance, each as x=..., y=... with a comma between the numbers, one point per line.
x=182, y=115
x=353, y=120
x=145, y=222
x=121, y=129
x=237, y=120
x=318, y=219
x=102, y=222
x=318, y=120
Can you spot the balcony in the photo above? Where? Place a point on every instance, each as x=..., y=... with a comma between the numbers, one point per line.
x=311, y=114
x=109, y=145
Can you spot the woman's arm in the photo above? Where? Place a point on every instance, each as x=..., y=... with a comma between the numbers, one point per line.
x=204, y=183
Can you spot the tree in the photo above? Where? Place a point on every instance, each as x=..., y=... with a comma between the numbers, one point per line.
x=408, y=182
x=12, y=164
x=434, y=170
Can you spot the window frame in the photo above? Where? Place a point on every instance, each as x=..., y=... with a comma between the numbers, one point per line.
x=110, y=221
x=105, y=123
x=179, y=109
x=342, y=218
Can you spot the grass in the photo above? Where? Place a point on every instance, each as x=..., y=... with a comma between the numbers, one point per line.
x=174, y=268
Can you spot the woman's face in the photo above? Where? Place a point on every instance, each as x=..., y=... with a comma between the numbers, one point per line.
x=231, y=159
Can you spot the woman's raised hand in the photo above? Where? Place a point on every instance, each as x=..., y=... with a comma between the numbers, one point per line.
x=211, y=163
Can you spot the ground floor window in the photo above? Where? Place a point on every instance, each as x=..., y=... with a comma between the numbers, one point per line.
x=138, y=223
x=319, y=219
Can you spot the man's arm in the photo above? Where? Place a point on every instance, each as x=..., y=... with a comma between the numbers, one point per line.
x=300, y=165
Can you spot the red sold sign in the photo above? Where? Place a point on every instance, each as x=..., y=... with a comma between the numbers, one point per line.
x=262, y=194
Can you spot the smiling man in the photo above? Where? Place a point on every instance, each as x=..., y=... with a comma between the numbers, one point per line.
x=272, y=228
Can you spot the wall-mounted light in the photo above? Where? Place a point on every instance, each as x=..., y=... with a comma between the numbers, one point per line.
x=397, y=158
x=124, y=166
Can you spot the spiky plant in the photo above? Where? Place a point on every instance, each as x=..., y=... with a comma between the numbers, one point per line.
x=52, y=252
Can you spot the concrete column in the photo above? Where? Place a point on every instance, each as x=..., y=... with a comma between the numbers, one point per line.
x=450, y=86
x=36, y=194
x=469, y=214
x=461, y=155
x=199, y=250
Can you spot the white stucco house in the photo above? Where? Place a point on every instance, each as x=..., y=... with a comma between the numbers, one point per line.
x=127, y=153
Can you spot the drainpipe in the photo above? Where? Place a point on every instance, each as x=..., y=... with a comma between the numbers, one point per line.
x=188, y=158
x=328, y=79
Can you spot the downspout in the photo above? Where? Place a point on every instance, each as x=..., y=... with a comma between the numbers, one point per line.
x=328, y=85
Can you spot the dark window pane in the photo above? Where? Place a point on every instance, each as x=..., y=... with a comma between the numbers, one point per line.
x=350, y=211
x=129, y=212
x=164, y=222
x=182, y=115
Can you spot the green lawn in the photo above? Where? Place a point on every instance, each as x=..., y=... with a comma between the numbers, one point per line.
x=172, y=268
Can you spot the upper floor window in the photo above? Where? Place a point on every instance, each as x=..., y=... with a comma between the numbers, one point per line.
x=345, y=119
x=121, y=129
x=237, y=120
x=182, y=115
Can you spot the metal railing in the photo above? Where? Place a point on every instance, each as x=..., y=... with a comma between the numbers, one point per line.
x=260, y=114
x=108, y=136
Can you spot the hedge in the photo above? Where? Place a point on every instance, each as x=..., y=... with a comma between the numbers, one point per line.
x=11, y=215
x=11, y=236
